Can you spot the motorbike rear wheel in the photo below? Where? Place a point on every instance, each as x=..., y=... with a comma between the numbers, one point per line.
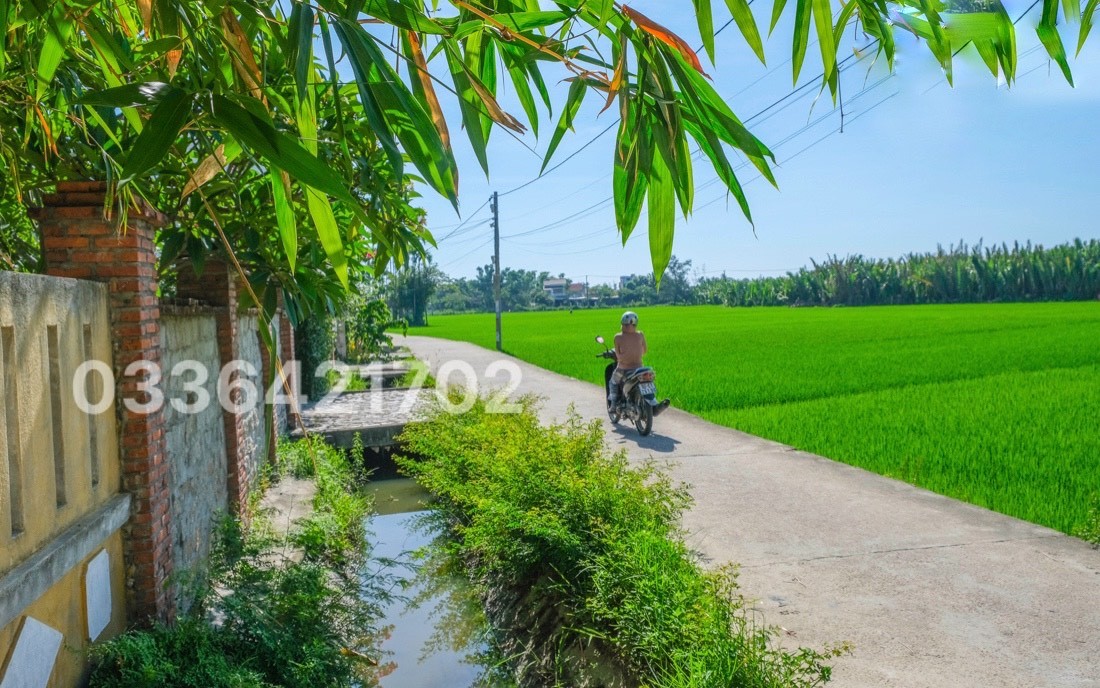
x=644, y=420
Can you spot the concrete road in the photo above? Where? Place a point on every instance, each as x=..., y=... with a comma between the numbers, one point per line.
x=931, y=591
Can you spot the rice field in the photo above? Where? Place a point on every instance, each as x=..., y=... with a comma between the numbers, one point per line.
x=993, y=404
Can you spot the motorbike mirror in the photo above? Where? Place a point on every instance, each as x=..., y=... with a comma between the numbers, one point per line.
x=599, y=338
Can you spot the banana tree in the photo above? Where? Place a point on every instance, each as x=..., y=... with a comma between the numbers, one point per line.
x=190, y=103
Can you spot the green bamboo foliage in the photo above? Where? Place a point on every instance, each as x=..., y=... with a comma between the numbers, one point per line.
x=958, y=274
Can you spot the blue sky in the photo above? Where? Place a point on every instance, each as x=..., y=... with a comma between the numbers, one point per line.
x=919, y=164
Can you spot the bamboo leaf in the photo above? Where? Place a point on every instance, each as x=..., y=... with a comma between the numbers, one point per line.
x=159, y=134
x=400, y=111
x=328, y=232
x=145, y=7
x=300, y=46
x=712, y=148
x=746, y=22
x=1072, y=10
x=801, y=34
x=664, y=35
x=662, y=214
x=1051, y=39
x=618, y=76
x=517, y=70
x=210, y=167
x=823, y=24
x=704, y=16
x=59, y=30
x=424, y=89
x=410, y=18
x=988, y=52
x=241, y=55
x=1086, y=24
x=630, y=179
x=467, y=102
x=777, y=12
x=573, y=101
x=526, y=21
x=279, y=149
x=284, y=215
x=360, y=64
x=130, y=95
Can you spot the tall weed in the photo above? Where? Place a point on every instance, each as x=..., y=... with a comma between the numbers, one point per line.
x=550, y=509
x=265, y=619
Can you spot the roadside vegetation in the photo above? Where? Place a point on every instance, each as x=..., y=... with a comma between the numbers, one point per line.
x=989, y=403
x=264, y=618
x=577, y=534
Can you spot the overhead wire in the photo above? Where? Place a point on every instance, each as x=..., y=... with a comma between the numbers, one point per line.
x=458, y=229
x=595, y=207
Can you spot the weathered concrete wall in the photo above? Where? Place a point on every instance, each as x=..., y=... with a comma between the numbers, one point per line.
x=195, y=437
x=254, y=439
x=59, y=477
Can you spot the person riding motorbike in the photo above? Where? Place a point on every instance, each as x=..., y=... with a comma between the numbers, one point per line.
x=630, y=346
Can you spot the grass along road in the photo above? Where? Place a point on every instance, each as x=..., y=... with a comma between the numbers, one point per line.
x=995, y=404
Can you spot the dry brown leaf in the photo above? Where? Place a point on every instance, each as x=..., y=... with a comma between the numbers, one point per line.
x=616, y=80
x=146, y=9
x=429, y=90
x=665, y=36
x=173, y=57
x=206, y=171
x=244, y=60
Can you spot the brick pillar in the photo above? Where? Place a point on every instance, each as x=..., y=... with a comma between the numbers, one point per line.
x=267, y=376
x=286, y=348
x=79, y=242
x=219, y=287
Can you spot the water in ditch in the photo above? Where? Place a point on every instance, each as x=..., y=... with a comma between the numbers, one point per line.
x=438, y=635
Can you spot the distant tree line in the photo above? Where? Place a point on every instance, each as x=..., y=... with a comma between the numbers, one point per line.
x=959, y=274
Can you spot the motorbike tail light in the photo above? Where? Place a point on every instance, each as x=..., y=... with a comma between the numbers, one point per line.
x=645, y=377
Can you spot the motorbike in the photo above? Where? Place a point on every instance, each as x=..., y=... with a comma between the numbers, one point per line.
x=637, y=398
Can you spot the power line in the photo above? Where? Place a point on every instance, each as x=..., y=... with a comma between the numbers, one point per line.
x=785, y=140
x=577, y=215
x=464, y=255
x=572, y=155
x=463, y=223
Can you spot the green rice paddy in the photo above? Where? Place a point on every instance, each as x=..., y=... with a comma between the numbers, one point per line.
x=993, y=404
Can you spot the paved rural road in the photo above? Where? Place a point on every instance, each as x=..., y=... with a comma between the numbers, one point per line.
x=932, y=592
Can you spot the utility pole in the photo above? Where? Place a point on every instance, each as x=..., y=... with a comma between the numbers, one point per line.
x=496, y=262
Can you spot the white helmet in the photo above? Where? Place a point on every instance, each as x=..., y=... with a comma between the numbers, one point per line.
x=630, y=318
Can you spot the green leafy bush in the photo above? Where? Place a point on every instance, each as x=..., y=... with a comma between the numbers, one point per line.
x=314, y=343
x=265, y=619
x=549, y=508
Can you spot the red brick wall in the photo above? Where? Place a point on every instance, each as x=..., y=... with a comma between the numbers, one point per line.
x=79, y=242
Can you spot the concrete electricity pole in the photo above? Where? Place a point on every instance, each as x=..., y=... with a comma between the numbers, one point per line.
x=496, y=263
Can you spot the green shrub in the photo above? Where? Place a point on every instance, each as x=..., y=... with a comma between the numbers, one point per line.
x=191, y=653
x=534, y=506
x=263, y=619
x=314, y=343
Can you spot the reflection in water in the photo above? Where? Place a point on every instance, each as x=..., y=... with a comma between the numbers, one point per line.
x=440, y=637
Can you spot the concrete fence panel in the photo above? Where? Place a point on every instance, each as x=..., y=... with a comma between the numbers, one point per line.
x=61, y=566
